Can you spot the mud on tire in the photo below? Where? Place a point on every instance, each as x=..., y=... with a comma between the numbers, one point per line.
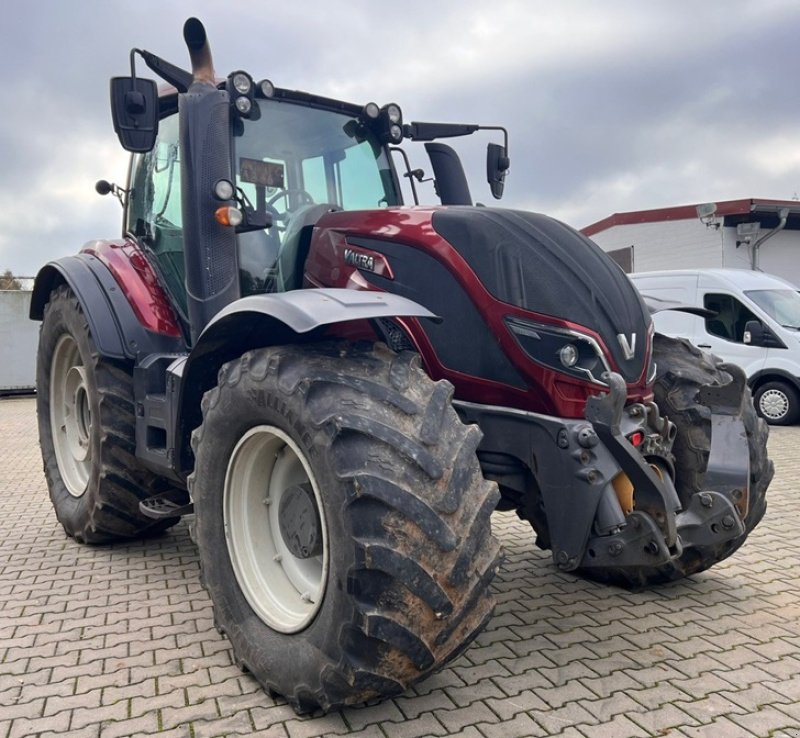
x=86, y=422
x=387, y=578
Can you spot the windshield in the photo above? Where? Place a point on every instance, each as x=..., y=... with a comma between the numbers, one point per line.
x=301, y=155
x=295, y=163
x=781, y=305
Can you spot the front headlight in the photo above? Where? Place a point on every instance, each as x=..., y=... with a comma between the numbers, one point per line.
x=566, y=351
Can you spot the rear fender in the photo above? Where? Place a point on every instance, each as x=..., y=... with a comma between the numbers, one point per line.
x=116, y=331
x=269, y=320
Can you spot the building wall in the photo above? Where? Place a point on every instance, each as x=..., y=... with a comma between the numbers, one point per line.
x=19, y=337
x=690, y=244
x=665, y=245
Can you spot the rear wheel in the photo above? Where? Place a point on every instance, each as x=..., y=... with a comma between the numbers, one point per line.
x=86, y=431
x=342, y=521
x=778, y=403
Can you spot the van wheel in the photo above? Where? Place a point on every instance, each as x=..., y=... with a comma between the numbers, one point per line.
x=777, y=403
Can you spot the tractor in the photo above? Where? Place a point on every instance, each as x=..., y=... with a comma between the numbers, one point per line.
x=339, y=388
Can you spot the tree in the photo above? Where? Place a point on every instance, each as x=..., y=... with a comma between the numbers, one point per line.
x=9, y=282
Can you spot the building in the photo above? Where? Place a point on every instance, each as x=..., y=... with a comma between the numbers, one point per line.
x=744, y=234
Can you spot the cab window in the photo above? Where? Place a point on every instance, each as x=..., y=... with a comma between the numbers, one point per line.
x=154, y=208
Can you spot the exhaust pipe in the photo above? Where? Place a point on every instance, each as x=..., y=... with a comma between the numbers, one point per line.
x=199, y=51
x=210, y=257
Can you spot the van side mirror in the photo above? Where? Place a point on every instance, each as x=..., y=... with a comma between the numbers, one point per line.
x=758, y=334
x=134, y=111
x=753, y=333
x=497, y=163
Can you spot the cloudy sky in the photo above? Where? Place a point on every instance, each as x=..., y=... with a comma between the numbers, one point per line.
x=611, y=106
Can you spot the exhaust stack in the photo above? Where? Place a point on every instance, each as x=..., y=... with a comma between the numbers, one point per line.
x=209, y=252
x=199, y=51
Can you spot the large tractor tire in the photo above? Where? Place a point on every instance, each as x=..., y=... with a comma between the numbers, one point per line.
x=86, y=429
x=683, y=370
x=342, y=521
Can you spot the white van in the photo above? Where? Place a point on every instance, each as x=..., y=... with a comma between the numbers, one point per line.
x=754, y=321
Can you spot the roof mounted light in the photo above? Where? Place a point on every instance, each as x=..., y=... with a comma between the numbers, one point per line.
x=390, y=124
x=243, y=105
x=241, y=82
x=240, y=88
x=266, y=88
x=371, y=111
x=393, y=113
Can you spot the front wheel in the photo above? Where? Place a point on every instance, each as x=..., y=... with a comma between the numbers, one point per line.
x=683, y=370
x=778, y=403
x=342, y=520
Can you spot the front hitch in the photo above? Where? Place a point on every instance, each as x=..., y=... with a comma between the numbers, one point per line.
x=657, y=531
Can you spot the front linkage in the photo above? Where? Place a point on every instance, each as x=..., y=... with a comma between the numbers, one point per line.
x=606, y=482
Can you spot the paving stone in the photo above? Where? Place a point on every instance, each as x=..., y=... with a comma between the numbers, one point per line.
x=332, y=724
x=521, y=726
x=619, y=726
x=106, y=642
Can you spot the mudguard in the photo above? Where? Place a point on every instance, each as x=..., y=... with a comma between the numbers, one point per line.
x=267, y=320
x=114, y=327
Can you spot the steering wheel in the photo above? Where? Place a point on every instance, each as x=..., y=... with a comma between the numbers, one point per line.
x=305, y=198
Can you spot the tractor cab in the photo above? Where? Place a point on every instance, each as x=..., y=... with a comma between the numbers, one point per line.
x=293, y=157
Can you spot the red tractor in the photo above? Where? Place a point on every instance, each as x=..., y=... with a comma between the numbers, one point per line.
x=342, y=389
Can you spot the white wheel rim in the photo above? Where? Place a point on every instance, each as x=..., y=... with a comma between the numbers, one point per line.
x=774, y=404
x=70, y=416
x=285, y=591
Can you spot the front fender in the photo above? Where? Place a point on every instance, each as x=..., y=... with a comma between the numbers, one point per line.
x=268, y=320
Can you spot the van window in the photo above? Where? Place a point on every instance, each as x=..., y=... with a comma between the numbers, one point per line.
x=782, y=306
x=730, y=317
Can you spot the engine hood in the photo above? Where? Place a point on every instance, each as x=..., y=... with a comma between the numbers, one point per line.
x=542, y=265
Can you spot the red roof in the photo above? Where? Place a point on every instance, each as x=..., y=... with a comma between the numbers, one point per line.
x=686, y=212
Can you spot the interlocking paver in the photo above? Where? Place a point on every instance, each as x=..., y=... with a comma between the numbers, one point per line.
x=113, y=641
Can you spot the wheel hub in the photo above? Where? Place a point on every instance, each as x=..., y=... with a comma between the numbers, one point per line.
x=774, y=404
x=299, y=522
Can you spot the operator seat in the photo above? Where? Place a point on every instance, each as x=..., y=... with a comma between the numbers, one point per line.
x=258, y=252
x=296, y=243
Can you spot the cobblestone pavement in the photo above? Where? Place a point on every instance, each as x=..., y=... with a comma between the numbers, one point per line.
x=118, y=641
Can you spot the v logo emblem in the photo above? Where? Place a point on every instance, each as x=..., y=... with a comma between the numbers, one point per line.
x=628, y=347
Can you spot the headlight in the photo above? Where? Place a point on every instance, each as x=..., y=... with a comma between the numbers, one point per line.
x=243, y=105
x=393, y=113
x=371, y=111
x=223, y=189
x=566, y=351
x=267, y=88
x=241, y=83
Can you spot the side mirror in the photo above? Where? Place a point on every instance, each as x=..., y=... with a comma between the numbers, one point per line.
x=753, y=333
x=497, y=163
x=134, y=111
x=758, y=334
